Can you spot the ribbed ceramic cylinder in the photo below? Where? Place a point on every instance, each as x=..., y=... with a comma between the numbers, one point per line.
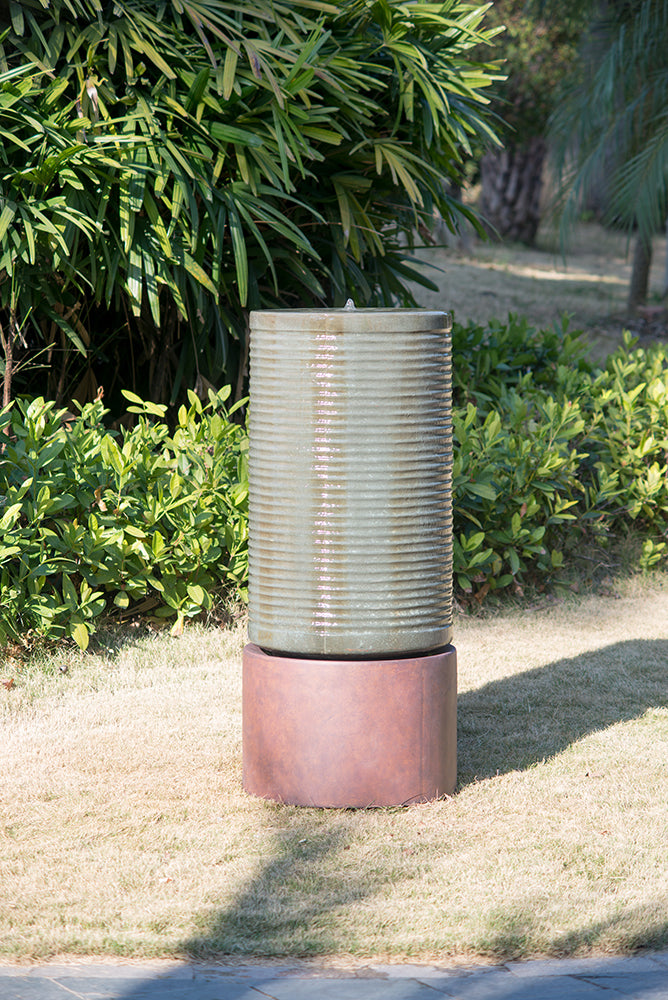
x=350, y=551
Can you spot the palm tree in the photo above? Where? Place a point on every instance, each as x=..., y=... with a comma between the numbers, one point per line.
x=613, y=124
x=538, y=46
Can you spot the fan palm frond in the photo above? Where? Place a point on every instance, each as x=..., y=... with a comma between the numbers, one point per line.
x=614, y=124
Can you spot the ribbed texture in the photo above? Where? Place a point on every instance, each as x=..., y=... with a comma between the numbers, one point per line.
x=350, y=482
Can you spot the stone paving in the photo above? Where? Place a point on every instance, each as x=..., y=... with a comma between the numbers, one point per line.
x=641, y=977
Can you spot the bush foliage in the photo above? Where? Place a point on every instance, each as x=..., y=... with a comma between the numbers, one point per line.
x=166, y=167
x=143, y=520
x=550, y=456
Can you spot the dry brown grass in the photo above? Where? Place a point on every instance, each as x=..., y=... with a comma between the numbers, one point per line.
x=124, y=830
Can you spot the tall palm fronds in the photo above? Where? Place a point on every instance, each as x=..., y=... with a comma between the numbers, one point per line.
x=256, y=155
x=50, y=224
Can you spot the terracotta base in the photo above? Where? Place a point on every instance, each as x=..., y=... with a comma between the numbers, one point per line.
x=349, y=733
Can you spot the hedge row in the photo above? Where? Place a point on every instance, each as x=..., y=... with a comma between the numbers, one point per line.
x=145, y=520
x=550, y=454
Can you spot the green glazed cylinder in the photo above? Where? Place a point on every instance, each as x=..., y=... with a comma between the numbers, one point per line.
x=350, y=482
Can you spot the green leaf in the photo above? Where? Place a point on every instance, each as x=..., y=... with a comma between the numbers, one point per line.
x=197, y=89
x=157, y=544
x=6, y=217
x=240, y=254
x=229, y=72
x=70, y=595
x=111, y=454
x=196, y=594
x=230, y=133
x=136, y=181
x=80, y=634
x=134, y=531
x=134, y=281
x=483, y=490
x=132, y=396
x=199, y=274
x=17, y=17
x=142, y=45
x=10, y=516
x=151, y=284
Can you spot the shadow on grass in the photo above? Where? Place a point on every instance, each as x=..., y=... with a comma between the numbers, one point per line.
x=514, y=933
x=289, y=908
x=295, y=904
x=518, y=721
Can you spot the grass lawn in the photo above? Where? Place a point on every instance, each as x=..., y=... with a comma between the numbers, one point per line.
x=124, y=830
x=590, y=284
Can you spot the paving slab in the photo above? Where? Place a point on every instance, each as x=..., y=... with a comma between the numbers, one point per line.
x=504, y=986
x=347, y=989
x=604, y=965
x=33, y=989
x=641, y=977
x=646, y=985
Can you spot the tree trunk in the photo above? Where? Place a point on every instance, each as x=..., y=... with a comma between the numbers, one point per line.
x=8, y=349
x=642, y=260
x=512, y=182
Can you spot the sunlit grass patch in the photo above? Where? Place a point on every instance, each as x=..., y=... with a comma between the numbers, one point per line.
x=124, y=829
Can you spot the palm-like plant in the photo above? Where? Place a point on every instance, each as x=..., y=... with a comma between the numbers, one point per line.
x=614, y=125
x=254, y=155
x=47, y=240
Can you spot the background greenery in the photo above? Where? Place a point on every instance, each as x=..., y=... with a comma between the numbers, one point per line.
x=553, y=456
x=167, y=167
x=582, y=106
x=552, y=459
x=151, y=521
x=609, y=133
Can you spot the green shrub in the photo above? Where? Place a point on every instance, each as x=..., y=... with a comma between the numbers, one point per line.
x=627, y=416
x=550, y=454
x=196, y=160
x=488, y=360
x=515, y=484
x=143, y=519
